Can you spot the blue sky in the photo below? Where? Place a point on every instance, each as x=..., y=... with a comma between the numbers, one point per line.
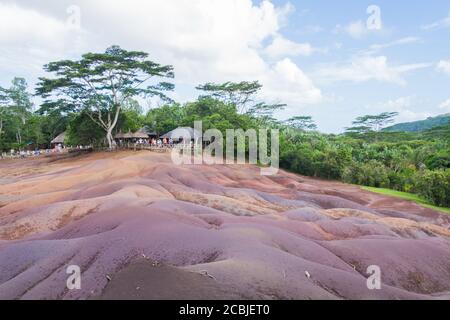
x=423, y=90
x=319, y=57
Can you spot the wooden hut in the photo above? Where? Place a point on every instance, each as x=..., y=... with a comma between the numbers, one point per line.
x=177, y=134
x=59, y=140
x=141, y=134
x=130, y=137
x=118, y=136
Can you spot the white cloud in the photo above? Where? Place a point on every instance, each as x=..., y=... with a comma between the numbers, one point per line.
x=205, y=40
x=19, y=26
x=407, y=106
x=399, y=103
x=311, y=29
x=445, y=105
x=29, y=39
x=26, y=29
x=443, y=23
x=404, y=107
x=402, y=41
x=409, y=115
x=287, y=83
x=367, y=68
x=282, y=47
x=444, y=66
x=356, y=29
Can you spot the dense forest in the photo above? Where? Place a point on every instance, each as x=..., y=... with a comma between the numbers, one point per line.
x=100, y=95
x=421, y=125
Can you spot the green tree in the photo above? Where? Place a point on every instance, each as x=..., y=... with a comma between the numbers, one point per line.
x=372, y=123
x=301, y=123
x=240, y=94
x=16, y=107
x=164, y=119
x=434, y=186
x=53, y=123
x=4, y=112
x=358, y=130
x=131, y=118
x=216, y=114
x=100, y=83
x=20, y=99
x=264, y=111
x=82, y=130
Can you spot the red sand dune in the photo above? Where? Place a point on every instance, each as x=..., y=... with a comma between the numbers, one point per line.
x=157, y=230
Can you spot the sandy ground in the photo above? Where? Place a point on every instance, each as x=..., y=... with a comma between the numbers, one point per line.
x=140, y=227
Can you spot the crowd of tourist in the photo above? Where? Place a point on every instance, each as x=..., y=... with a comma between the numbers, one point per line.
x=22, y=154
x=30, y=153
x=60, y=148
x=156, y=143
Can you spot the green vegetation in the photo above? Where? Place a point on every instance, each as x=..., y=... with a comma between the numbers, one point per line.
x=416, y=164
x=100, y=84
x=406, y=196
x=418, y=126
x=97, y=97
x=371, y=123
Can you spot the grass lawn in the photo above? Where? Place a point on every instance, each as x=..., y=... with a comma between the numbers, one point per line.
x=406, y=196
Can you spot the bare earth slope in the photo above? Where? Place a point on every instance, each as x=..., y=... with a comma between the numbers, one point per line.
x=141, y=227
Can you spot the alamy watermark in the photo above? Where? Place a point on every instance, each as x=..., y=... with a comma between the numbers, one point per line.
x=374, y=21
x=73, y=20
x=374, y=280
x=74, y=280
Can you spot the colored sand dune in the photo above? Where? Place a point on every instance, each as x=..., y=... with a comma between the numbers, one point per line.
x=141, y=227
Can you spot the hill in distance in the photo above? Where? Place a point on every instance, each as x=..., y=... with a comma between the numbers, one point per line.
x=422, y=125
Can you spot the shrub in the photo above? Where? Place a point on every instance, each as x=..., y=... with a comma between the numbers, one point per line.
x=372, y=174
x=434, y=186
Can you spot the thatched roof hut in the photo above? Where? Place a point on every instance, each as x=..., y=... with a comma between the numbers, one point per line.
x=178, y=133
x=142, y=133
x=119, y=136
x=59, y=139
x=128, y=135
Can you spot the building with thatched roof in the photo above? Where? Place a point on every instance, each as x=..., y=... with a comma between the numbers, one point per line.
x=119, y=136
x=59, y=139
x=181, y=133
x=142, y=133
x=128, y=135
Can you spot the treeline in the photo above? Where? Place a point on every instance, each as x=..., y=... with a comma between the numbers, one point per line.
x=20, y=126
x=96, y=97
x=409, y=163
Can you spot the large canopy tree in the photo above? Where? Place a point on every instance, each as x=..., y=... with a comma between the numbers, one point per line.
x=372, y=123
x=100, y=83
x=242, y=95
x=301, y=123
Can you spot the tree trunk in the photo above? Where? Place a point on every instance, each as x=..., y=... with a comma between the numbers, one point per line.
x=109, y=136
x=19, y=137
x=110, y=139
